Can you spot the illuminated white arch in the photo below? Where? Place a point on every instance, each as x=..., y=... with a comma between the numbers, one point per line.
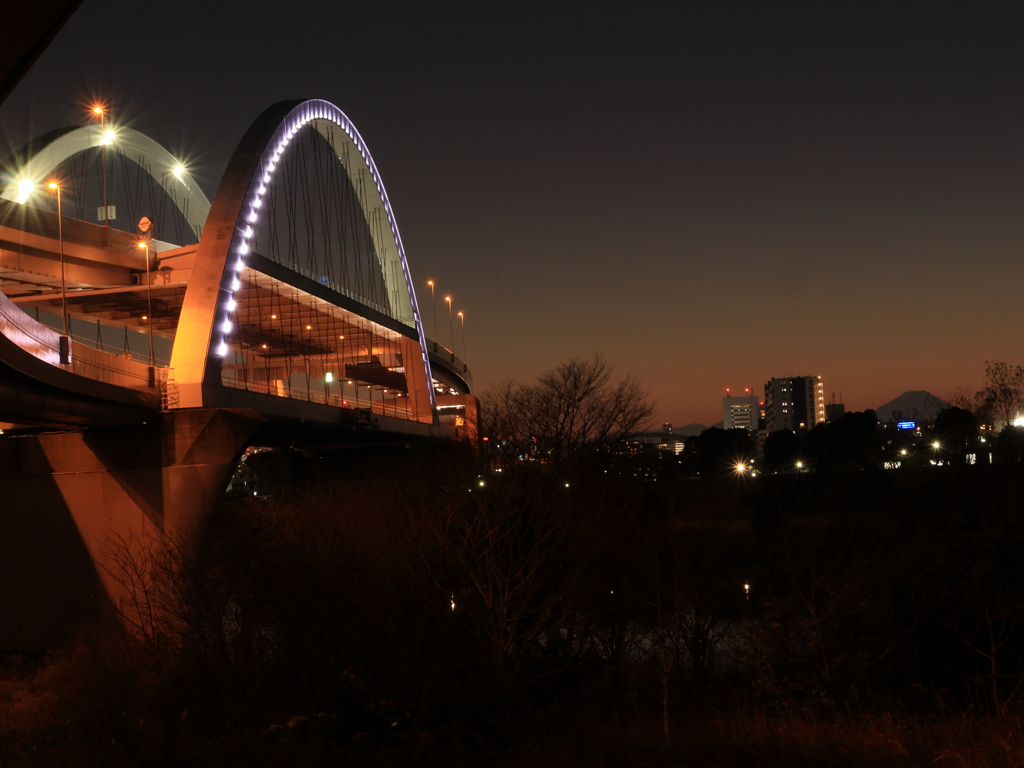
x=201, y=343
x=157, y=161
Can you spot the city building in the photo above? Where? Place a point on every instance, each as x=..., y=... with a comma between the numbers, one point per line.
x=834, y=411
x=742, y=412
x=663, y=439
x=796, y=403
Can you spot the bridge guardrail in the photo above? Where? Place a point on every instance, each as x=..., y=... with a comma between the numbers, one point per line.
x=37, y=339
x=375, y=406
x=114, y=369
x=43, y=342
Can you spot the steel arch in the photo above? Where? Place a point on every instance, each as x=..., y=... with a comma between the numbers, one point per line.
x=180, y=186
x=205, y=321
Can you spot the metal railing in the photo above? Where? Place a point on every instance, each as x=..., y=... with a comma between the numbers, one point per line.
x=95, y=364
x=169, y=394
x=383, y=407
x=43, y=343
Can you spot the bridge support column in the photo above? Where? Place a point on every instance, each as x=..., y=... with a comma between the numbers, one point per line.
x=68, y=499
x=416, y=381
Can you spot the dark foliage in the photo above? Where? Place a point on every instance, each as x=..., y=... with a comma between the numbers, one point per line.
x=429, y=612
x=720, y=451
x=782, y=450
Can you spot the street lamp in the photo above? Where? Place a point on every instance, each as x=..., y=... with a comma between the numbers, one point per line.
x=100, y=111
x=434, y=305
x=451, y=325
x=462, y=319
x=144, y=244
x=64, y=344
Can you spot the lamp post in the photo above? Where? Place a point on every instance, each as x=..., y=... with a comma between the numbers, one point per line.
x=100, y=111
x=144, y=244
x=65, y=343
x=451, y=325
x=462, y=319
x=434, y=305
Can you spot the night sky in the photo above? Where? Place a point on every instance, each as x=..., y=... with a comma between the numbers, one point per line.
x=708, y=198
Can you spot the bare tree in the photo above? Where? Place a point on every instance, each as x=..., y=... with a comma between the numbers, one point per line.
x=1000, y=400
x=1003, y=392
x=574, y=406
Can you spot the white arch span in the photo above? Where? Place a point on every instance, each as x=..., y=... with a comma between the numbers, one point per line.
x=221, y=258
x=155, y=160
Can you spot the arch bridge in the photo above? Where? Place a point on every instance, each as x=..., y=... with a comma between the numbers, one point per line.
x=134, y=369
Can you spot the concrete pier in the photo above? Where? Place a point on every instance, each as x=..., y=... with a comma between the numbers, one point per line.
x=69, y=500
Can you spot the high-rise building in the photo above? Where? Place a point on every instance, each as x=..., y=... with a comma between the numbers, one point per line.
x=796, y=403
x=741, y=412
x=834, y=411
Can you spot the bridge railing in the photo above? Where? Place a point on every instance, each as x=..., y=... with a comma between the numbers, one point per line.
x=123, y=371
x=43, y=343
x=383, y=407
x=37, y=339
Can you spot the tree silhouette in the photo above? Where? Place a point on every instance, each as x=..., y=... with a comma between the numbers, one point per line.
x=782, y=450
x=572, y=412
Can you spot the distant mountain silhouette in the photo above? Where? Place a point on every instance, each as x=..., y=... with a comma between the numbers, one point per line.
x=911, y=406
x=691, y=429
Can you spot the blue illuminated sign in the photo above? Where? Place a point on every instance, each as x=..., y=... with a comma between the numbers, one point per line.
x=907, y=425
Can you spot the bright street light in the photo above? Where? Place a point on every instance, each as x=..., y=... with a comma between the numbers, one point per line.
x=451, y=324
x=433, y=303
x=25, y=189
x=106, y=139
x=462, y=318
